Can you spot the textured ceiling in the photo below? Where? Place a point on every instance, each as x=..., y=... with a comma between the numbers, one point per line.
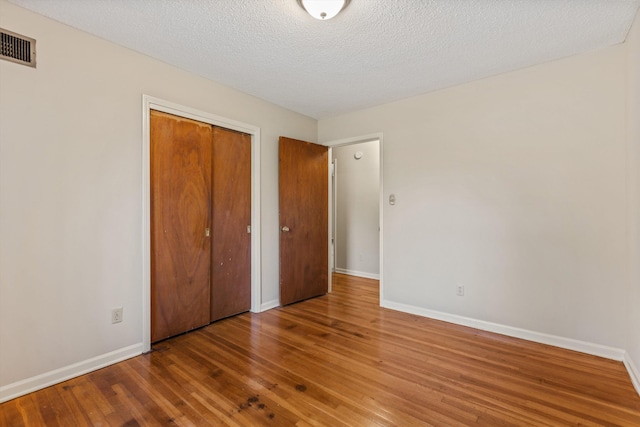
x=375, y=51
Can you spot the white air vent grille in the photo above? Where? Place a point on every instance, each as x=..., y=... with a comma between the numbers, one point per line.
x=17, y=48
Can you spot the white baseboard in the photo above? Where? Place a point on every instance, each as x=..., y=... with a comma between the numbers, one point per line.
x=567, y=343
x=50, y=378
x=357, y=273
x=38, y=382
x=634, y=373
x=269, y=305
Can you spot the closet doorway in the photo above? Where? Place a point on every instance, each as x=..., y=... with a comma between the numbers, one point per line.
x=200, y=227
x=200, y=223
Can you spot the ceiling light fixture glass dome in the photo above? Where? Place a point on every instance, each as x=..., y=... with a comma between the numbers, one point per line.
x=323, y=9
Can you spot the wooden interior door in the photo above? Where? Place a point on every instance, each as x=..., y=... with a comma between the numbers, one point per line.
x=304, y=193
x=231, y=252
x=180, y=215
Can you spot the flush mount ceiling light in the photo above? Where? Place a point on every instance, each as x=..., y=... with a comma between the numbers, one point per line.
x=323, y=9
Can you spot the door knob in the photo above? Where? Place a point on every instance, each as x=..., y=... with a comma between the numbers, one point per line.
x=284, y=228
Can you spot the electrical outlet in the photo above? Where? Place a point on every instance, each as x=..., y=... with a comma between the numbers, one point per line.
x=116, y=315
x=460, y=290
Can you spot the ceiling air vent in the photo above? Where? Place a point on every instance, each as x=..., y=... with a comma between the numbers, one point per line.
x=17, y=48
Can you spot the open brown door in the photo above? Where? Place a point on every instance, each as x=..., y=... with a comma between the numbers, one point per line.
x=180, y=203
x=304, y=193
x=231, y=252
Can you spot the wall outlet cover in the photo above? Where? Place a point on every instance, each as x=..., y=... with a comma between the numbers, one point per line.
x=116, y=315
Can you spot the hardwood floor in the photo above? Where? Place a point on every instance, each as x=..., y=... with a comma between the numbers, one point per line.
x=340, y=360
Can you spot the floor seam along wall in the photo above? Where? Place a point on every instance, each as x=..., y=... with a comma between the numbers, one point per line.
x=20, y=388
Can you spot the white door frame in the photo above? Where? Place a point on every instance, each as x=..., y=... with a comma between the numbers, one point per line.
x=350, y=141
x=333, y=195
x=150, y=103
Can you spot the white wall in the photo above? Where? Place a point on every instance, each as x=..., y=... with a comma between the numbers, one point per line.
x=633, y=121
x=515, y=187
x=357, y=209
x=71, y=192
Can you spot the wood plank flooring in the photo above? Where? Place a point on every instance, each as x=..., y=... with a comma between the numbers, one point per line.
x=340, y=360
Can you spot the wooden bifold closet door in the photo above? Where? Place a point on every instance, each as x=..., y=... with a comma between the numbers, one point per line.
x=200, y=213
x=231, y=252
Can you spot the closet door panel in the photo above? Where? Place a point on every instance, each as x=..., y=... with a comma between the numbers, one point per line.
x=181, y=153
x=231, y=246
